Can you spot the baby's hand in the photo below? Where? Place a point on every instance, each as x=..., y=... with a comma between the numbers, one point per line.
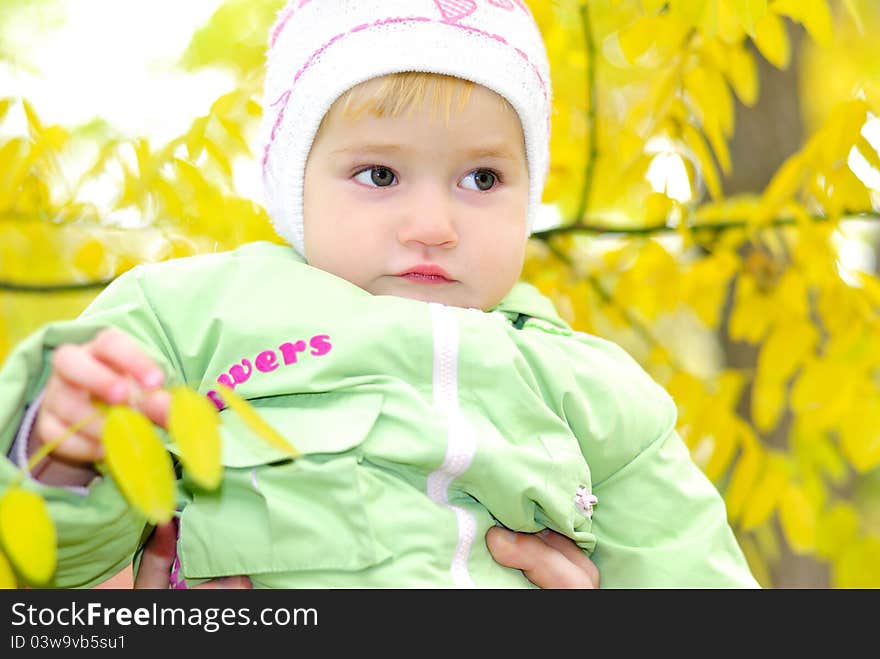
x=111, y=368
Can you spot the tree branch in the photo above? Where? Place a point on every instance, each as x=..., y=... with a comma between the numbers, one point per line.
x=665, y=228
x=13, y=287
x=545, y=236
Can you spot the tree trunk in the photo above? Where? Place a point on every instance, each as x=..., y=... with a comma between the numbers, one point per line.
x=765, y=136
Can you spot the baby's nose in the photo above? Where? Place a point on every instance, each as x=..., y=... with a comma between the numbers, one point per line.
x=429, y=221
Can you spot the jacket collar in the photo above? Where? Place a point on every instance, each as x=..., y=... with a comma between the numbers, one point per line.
x=522, y=300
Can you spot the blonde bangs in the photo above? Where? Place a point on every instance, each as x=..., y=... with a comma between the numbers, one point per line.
x=397, y=94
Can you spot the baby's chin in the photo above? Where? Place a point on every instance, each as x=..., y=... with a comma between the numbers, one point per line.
x=452, y=294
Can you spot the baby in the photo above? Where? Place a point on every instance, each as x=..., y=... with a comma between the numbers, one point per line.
x=432, y=395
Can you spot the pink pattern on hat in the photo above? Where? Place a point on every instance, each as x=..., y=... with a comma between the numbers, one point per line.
x=285, y=16
x=454, y=10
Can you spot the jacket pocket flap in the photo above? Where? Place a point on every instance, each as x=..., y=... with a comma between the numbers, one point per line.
x=313, y=423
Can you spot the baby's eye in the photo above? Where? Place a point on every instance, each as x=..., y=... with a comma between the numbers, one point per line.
x=484, y=179
x=381, y=177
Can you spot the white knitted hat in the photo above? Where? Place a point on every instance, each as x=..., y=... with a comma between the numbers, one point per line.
x=322, y=48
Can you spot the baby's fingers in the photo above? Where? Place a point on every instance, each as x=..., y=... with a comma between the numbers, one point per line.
x=73, y=407
x=76, y=448
x=122, y=353
x=155, y=405
x=78, y=367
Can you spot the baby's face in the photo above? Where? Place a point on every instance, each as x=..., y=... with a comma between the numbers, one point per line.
x=413, y=207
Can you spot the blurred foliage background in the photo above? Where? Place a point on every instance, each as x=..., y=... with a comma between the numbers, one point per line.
x=713, y=207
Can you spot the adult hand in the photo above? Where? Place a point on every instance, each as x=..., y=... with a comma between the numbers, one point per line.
x=548, y=560
x=159, y=556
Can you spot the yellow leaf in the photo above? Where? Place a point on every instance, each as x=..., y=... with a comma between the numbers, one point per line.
x=35, y=126
x=827, y=458
x=90, y=259
x=690, y=10
x=700, y=149
x=638, y=37
x=255, y=422
x=7, y=576
x=253, y=108
x=707, y=283
x=219, y=157
x=710, y=21
x=768, y=402
x=195, y=138
x=748, y=12
x=745, y=473
x=860, y=434
x=787, y=346
x=765, y=496
x=855, y=14
x=653, y=6
x=787, y=181
x=719, y=144
x=657, y=207
x=710, y=92
x=839, y=527
x=814, y=15
x=743, y=74
x=234, y=130
x=868, y=152
x=798, y=518
x=859, y=566
x=825, y=389
x=224, y=105
x=28, y=534
x=139, y=463
x=193, y=424
x=841, y=131
x=771, y=39
x=729, y=28
x=722, y=453
x=5, y=104
x=54, y=138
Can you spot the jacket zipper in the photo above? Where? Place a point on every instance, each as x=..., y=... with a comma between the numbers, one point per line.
x=461, y=441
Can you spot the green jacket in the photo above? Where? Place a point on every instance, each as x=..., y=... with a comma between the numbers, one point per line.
x=422, y=426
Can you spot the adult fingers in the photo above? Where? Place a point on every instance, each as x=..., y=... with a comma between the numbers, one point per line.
x=117, y=349
x=226, y=583
x=158, y=556
x=542, y=564
x=568, y=548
